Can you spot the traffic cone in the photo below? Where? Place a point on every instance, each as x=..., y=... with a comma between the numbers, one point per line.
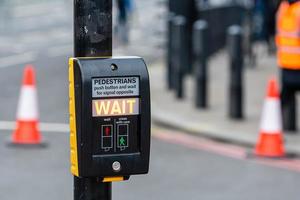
x=270, y=142
x=27, y=131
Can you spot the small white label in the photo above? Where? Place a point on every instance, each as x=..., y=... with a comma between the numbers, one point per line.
x=115, y=87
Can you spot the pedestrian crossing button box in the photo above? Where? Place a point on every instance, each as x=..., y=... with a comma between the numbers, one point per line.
x=109, y=117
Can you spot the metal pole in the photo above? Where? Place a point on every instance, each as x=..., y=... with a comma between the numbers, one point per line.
x=92, y=38
x=186, y=9
x=93, y=28
x=91, y=189
x=170, y=54
x=179, y=26
x=236, y=72
x=200, y=40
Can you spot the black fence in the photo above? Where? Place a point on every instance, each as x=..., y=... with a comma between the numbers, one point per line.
x=219, y=19
x=194, y=35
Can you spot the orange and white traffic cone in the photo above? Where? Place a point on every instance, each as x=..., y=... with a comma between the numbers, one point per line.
x=27, y=131
x=270, y=142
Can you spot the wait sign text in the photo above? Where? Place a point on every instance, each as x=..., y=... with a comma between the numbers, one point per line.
x=115, y=107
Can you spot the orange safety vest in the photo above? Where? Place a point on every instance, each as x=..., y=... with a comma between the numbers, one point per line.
x=288, y=36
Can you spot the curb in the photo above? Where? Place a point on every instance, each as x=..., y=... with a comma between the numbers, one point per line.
x=207, y=131
x=169, y=121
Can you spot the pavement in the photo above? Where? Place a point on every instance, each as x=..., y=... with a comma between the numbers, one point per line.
x=214, y=122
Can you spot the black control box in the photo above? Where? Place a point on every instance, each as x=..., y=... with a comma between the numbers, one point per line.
x=109, y=117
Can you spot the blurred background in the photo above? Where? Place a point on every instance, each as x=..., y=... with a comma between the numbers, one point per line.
x=210, y=62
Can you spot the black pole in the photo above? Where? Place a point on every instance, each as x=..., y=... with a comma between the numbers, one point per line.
x=186, y=9
x=93, y=28
x=200, y=42
x=170, y=54
x=236, y=72
x=178, y=29
x=92, y=38
x=91, y=189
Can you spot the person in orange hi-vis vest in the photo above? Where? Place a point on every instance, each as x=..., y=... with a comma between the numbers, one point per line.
x=288, y=58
